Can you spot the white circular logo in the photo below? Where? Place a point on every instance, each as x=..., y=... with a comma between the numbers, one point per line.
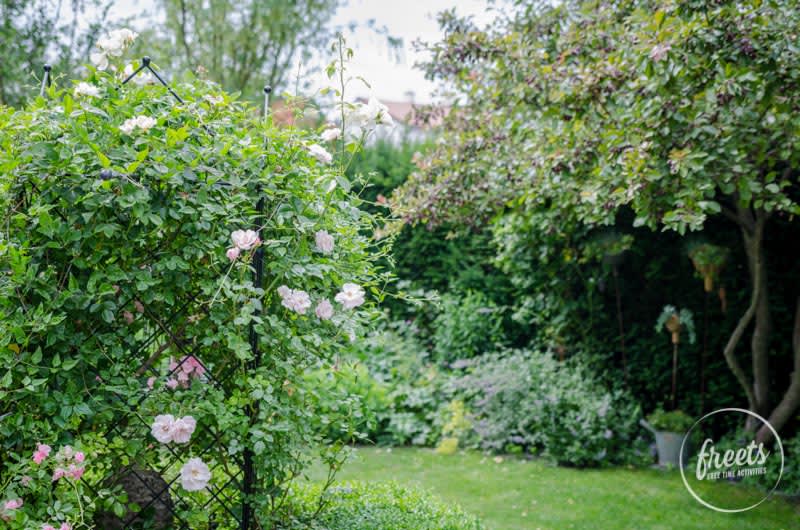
x=746, y=462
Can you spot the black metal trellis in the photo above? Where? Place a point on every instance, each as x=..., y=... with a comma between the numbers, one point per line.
x=258, y=282
x=153, y=337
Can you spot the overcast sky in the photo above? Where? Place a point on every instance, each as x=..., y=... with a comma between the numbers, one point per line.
x=409, y=20
x=406, y=19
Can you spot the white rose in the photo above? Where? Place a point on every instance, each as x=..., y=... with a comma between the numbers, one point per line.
x=245, y=239
x=284, y=291
x=320, y=153
x=162, y=428
x=378, y=112
x=128, y=126
x=195, y=475
x=330, y=134
x=324, y=241
x=350, y=296
x=86, y=89
x=99, y=60
x=124, y=36
x=145, y=123
x=324, y=310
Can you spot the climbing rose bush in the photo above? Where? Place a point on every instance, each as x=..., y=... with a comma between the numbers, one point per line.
x=131, y=225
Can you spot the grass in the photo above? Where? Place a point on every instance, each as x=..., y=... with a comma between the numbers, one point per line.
x=515, y=494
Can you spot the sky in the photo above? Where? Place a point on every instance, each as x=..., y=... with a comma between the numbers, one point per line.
x=409, y=20
x=392, y=75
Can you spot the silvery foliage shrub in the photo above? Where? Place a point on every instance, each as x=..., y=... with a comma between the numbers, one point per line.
x=370, y=506
x=529, y=400
x=90, y=262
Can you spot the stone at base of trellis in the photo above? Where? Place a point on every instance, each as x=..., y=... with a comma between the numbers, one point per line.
x=141, y=485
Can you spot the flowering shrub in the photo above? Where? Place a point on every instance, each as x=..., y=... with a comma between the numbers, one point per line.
x=130, y=230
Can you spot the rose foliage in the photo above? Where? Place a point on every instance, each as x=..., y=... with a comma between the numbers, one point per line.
x=127, y=309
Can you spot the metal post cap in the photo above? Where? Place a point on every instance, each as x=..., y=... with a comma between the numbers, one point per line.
x=145, y=60
x=267, y=89
x=47, y=67
x=106, y=174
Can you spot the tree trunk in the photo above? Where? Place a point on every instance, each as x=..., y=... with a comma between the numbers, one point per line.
x=620, y=323
x=759, y=343
x=791, y=399
x=752, y=233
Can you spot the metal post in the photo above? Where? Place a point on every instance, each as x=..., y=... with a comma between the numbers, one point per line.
x=45, y=79
x=267, y=92
x=252, y=412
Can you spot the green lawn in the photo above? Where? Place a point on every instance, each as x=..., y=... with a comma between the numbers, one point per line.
x=514, y=494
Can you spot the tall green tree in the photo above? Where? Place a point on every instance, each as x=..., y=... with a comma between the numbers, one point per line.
x=35, y=32
x=244, y=44
x=680, y=110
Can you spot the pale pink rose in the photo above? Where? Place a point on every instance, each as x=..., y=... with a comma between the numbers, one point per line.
x=324, y=241
x=59, y=473
x=75, y=472
x=139, y=307
x=42, y=452
x=351, y=296
x=173, y=364
x=65, y=526
x=192, y=365
x=245, y=239
x=151, y=381
x=182, y=429
x=13, y=504
x=324, y=310
x=128, y=316
x=80, y=457
x=162, y=428
x=48, y=527
x=195, y=475
x=284, y=291
x=183, y=377
x=297, y=300
x=65, y=454
x=232, y=253
x=172, y=384
x=25, y=480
